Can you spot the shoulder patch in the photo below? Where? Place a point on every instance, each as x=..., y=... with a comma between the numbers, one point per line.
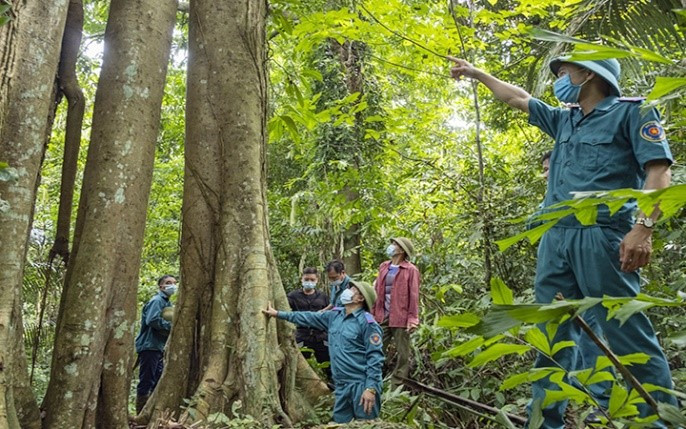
x=652, y=131
x=369, y=317
x=631, y=99
x=375, y=339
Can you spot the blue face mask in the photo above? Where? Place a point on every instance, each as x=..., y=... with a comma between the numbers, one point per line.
x=347, y=297
x=390, y=250
x=566, y=91
x=170, y=290
x=309, y=285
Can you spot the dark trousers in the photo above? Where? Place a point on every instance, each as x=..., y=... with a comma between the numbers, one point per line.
x=151, y=365
x=321, y=353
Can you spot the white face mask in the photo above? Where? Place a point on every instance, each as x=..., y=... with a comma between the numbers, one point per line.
x=309, y=285
x=390, y=250
x=170, y=290
x=347, y=296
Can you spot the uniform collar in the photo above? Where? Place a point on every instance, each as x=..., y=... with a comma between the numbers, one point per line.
x=357, y=312
x=163, y=295
x=606, y=103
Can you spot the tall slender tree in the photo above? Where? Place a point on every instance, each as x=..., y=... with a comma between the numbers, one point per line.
x=222, y=348
x=25, y=89
x=92, y=353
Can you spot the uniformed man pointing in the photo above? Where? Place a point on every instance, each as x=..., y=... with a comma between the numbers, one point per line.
x=602, y=142
x=355, y=348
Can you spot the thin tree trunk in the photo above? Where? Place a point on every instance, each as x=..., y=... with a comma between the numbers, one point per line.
x=69, y=85
x=29, y=52
x=228, y=273
x=484, y=212
x=92, y=354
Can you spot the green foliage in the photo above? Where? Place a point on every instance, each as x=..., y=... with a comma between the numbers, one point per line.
x=219, y=420
x=585, y=204
x=393, y=154
x=5, y=15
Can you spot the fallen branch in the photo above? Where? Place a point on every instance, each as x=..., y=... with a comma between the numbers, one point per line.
x=628, y=376
x=459, y=400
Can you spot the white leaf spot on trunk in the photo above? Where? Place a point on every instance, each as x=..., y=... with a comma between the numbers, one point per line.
x=120, y=330
x=119, y=196
x=71, y=369
x=128, y=91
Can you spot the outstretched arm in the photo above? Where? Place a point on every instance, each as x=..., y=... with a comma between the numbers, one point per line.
x=503, y=91
x=308, y=319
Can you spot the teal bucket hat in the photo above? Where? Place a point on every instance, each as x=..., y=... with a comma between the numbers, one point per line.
x=608, y=69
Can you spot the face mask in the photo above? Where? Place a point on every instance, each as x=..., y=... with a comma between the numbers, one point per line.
x=390, y=250
x=309, y=285
x=566, y=91
x=170, y=290
x=336, y=283
x=347, y=297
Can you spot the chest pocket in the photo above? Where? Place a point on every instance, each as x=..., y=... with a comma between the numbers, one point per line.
x=351, y=337
x=595, y=150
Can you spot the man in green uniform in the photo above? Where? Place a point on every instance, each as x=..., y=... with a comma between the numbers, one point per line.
x=355, y=349
x=602, y=142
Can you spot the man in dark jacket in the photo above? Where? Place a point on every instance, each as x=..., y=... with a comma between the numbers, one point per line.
x=152, y=338
x=308, y=298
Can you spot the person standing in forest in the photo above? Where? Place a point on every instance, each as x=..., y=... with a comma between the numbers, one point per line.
x=152, y=338
x=397, y=309
x=602, y=142
x=355, y=342
x=338, y=282
x=589, y=352
x=308, y=298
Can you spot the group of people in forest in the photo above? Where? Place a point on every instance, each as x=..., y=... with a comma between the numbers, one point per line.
x=603, y=141
x=357, y=324
x=350, y=328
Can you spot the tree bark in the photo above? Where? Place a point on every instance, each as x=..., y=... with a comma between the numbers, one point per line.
x=68, y=85
x=222, y=348
x=92, y=353
x=29, y=52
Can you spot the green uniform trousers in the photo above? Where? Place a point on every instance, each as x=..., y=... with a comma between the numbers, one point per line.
x=581, y=262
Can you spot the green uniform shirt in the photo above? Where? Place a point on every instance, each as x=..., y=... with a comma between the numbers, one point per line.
x=355, y=343
x=606, y=149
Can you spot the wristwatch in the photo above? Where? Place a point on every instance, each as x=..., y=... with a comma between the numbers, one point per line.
x=371, y=389
x=645, y=221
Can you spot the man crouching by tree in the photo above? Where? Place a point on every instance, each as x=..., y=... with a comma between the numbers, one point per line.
x=355, y=348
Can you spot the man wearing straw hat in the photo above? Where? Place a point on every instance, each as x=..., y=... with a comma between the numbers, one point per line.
x=355, y=347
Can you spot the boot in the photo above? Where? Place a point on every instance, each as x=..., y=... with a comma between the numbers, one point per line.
x=140, y=402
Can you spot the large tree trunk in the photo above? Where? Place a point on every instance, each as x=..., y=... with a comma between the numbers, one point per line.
x=29, y=53
x=92, y=354
x=222, y=348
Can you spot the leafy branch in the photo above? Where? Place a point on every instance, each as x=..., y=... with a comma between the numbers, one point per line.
x=584, y=206
x=585, y=50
